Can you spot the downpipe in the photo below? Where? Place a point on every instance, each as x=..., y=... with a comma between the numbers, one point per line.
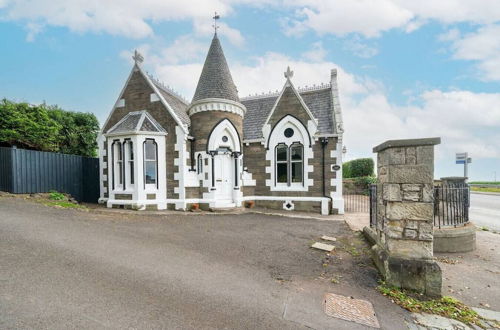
x=324, y=143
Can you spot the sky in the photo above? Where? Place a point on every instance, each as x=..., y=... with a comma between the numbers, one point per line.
x=406, y=69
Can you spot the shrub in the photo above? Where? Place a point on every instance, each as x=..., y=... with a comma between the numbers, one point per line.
x=362, y=167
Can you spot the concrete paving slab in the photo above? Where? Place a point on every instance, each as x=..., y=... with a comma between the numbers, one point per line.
x=328, y=238
x=323, y=246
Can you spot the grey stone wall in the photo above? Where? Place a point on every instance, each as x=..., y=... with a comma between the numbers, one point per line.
x=405, y=211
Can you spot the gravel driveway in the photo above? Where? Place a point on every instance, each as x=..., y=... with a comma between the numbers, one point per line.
x=64, y=268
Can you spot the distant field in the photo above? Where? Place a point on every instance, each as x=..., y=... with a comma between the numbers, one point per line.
x=482, y=189
x=485, y=182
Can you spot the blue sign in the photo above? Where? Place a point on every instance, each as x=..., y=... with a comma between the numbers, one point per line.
x=460, y=161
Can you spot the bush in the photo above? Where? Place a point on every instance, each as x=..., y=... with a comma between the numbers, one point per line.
x=48, y=128
x=56, y=196
x=362, y=167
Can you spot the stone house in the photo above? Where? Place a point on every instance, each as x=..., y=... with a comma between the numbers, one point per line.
x=281, y=150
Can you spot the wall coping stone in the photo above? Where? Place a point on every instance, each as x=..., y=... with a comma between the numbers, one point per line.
x=407, y=143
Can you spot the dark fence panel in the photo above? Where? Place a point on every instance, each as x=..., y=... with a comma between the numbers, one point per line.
x=5, y=169
x=39, y=172
x=373, y=205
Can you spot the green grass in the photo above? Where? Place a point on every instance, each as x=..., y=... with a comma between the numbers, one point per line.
x=64, y=204
x=446, y=306
x=481, y=189
x=485, y=182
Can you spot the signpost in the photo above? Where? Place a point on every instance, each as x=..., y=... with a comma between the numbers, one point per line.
x=463, y=158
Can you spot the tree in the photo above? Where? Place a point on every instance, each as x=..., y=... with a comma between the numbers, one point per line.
x=358, y=168
x=48, y=128
x=27, y=126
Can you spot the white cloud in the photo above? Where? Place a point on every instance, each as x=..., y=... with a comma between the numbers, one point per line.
x=359, y=48
x=465, y=120
x=482, y=46
x=128, y=18
x=317, y=53
x=371, y=18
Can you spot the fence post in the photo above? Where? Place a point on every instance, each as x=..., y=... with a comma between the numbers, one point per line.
x=405, y=212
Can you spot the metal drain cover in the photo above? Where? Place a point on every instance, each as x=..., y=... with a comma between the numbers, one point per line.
x=349, y=309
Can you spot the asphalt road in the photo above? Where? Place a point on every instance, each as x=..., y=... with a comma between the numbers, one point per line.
x=485, y=210
x=63, y=269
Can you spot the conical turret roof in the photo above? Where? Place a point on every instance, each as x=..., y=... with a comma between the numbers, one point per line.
x=215, y=80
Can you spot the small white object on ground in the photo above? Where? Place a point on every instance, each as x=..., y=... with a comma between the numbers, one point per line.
x=323, y=246
x=328, y=238
x=487, y=314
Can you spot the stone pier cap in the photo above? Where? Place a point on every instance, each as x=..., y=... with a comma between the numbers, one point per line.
x=407, y=143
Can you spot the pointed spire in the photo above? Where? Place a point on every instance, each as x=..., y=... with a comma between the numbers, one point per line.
x=215, y=80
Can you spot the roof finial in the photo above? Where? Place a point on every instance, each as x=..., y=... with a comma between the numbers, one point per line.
x=138, y=58
x=216, y=17
x=288, y=73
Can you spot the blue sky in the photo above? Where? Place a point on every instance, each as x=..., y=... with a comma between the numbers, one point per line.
x=406, y=69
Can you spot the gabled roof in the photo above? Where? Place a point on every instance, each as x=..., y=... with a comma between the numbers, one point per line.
x=215, y=79
x=318, y=100
x=136, y=122
x=175, y=111
x=176, y=102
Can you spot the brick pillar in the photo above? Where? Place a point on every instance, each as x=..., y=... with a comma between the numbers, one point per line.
x=405, y=211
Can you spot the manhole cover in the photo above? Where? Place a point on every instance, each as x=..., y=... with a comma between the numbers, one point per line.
x=349, y=309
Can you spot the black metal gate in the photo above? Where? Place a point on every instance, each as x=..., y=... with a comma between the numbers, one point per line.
x=373, y=205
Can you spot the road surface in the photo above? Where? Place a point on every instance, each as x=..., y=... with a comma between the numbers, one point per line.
x=71, y=269
x=485, y=210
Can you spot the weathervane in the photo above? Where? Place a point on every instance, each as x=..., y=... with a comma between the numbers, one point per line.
x=138, y=58
x=216, y=17
x=288, y=73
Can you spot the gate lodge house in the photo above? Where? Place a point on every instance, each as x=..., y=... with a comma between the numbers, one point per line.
x=279, y=151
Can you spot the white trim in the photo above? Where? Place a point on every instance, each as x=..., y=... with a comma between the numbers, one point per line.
x=213, y=202
x=137, y=68
x=216, y=104
x=153, y=97
x=120, y=97
x=218, y=131
x=120, y=103
x=289, y=83
x=337, y=199
x=182, y=168
x=301, y=135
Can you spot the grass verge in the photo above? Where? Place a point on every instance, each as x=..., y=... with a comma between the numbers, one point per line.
x=63, y=204
x=446, y=306
x=484, y=189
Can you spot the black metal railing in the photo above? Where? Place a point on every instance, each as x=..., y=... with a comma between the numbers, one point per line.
x=357, y=202
x=373, y=205
x=451, y=205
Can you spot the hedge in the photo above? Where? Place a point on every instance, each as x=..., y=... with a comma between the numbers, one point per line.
x=358, y=168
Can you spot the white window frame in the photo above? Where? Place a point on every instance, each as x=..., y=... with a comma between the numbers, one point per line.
x=150, y=186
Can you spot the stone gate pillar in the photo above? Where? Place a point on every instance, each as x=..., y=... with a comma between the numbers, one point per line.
x=403, y=251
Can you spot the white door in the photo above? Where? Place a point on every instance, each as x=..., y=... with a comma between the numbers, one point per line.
x=224, y=173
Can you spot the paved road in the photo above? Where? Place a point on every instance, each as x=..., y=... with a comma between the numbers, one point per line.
x=485, y=210
x=63, y=269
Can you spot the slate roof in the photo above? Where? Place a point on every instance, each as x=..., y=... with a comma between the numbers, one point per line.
x=319, y=101
x=137, y=121
x=176, y=102
x=215, y=79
